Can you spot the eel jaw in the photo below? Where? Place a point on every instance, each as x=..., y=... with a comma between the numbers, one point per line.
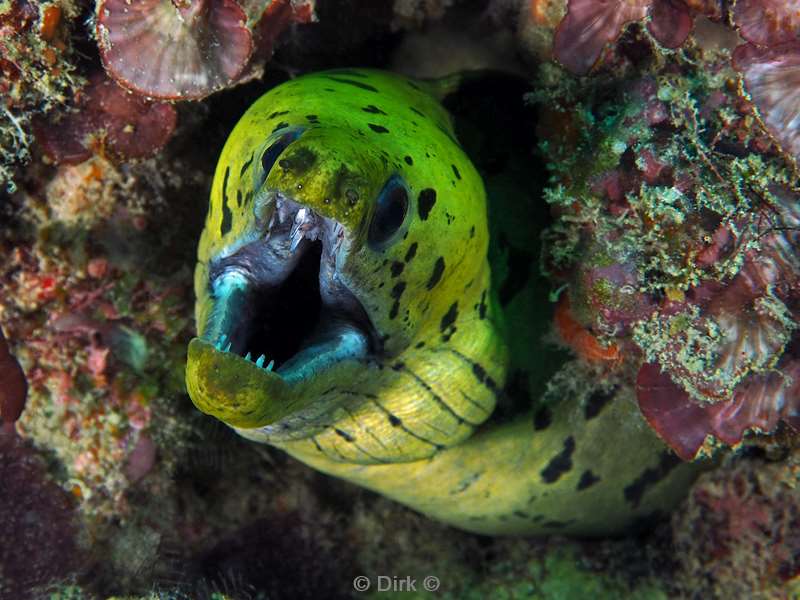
x=281, y=314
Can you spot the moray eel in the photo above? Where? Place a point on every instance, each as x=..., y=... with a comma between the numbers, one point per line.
x=348, y=314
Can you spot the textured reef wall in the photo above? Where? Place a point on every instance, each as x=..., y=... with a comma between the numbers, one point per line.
x=670, y=134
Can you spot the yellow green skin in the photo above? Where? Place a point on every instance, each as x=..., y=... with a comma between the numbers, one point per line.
x=407, y=422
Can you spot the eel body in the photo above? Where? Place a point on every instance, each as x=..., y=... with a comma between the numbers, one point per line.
x=355, y=308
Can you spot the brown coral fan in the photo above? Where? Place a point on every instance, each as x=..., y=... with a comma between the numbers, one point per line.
x=670, y=23
x=110, y=121
x=588, y=26
x=759, y=403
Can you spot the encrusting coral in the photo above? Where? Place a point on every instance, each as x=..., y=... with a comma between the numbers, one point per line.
x=95, y=327
x=37, y=73
x=737, y=534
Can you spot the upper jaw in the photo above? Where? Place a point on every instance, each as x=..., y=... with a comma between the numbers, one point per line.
x=282, y=297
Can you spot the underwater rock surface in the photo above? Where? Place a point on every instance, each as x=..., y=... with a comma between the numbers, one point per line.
x=669, y=135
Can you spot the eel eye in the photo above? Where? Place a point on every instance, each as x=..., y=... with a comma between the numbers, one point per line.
x=273, y=151
x=390, y=213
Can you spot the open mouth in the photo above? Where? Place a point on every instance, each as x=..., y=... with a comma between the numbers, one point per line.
x=279, y=302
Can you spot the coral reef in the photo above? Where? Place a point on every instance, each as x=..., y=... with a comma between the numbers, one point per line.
x=672, y=254
x=677, y=241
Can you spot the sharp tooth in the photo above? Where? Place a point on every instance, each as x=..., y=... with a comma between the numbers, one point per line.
x=260, y=361
x=297, y=237
x=270, y=365
x=247, y=356
x=299, y=227
x=228, y=347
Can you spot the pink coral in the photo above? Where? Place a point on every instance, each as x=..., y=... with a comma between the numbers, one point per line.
x=108, y=120
x=760, y=403
x=590, y=25
x=736, y=536
x=767, y=22
x=179, y=49
x=771, y=77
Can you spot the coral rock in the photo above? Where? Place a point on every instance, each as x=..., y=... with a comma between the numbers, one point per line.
x=39, y=517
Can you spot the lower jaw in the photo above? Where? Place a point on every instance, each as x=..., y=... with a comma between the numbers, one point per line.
x=245, y=396
x=334, y=342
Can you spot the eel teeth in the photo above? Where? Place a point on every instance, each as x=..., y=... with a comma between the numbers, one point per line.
x=260, y=363
x=305, y=226
x=220, y=342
